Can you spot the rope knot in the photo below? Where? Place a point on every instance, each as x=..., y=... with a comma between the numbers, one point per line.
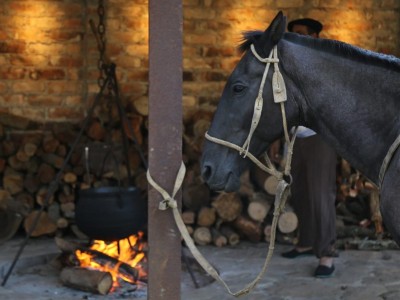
x=169, y=202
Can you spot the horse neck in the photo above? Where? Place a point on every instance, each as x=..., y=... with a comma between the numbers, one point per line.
x=350, y=104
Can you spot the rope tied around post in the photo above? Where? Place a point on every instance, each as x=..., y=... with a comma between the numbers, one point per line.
x=169, y=201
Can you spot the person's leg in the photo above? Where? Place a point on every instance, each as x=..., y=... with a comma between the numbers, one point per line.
x=322, y=186
x=300, y=201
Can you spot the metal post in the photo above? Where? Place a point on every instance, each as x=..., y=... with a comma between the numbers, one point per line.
x=165, y=144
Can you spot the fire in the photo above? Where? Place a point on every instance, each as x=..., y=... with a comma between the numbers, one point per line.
x=127, y=251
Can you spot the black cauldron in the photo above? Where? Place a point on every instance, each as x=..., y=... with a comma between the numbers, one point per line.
x=110, y=213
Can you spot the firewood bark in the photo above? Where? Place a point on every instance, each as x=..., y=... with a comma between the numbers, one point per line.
x=230, y=234
x=93, y=281
x=259, y=206
x=202, y=236
x=228, y=205
x=206, y=216
x=44, y=226
x=249, y=228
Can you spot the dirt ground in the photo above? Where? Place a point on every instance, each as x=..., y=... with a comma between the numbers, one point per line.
x=367, y=275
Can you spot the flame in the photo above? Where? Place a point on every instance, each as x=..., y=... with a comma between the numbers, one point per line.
x=126, y=251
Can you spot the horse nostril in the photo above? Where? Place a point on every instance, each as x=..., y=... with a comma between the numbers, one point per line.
x=206, y=172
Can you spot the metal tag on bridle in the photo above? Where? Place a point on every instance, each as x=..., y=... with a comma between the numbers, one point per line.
x=278, y=87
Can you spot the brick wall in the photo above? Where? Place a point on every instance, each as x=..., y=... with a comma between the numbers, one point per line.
x=48, y=55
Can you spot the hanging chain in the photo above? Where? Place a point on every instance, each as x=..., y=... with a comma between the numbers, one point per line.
x=101, y=29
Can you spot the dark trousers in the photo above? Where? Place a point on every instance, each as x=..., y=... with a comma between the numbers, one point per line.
x=314, y=194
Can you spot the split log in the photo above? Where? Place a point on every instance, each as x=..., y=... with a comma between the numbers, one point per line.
x=46, y=173
x=13, y=181
x=50, y=144
x=264, y=181
x=353, y=231
x=376, y=216
x=259, y=206
x=206, y=216
x=232, y=237
x=202, y=236
x=70, y=177
x=141, y=105
x=228, y=206
x=288, y=222
x=127, y=272
x=96, y=131
x=44, y=226
x=195, y=196
x=246, y=187
x=67, y=246
x=15, y=163
x=62, y=223
x=136, y=122
x=31, y=183
x=188, y=217
x=8, y=148
x=249, y=228
x=3, y=163
x=218, y=238
x=42, y=197
x=270, y=185
x=92, y=281
x=53, y=160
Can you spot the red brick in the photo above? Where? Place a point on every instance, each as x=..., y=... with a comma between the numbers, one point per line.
x=12, y=73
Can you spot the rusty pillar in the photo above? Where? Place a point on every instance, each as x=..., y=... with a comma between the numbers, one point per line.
x=165, y=144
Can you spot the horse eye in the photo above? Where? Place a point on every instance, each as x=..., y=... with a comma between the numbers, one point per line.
x=238, y=88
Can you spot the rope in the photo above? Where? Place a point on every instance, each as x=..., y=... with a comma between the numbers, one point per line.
x=283, y=188
x=170, y=202
x=387, y=160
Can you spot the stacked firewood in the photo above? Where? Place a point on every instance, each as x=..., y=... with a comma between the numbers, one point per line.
x=226, y=218
x=30, y=160
x=45, y=166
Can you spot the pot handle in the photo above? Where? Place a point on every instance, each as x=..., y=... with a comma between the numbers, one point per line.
x=87, y=164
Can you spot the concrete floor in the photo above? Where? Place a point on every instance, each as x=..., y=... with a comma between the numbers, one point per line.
x=366, y=275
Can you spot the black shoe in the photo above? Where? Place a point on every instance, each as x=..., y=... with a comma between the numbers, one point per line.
x=324, y=271
x=295, y=253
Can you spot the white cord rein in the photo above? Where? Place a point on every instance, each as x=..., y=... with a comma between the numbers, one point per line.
x=283, y=189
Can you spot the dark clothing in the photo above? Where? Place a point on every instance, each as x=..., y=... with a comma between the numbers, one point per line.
x=314, y=194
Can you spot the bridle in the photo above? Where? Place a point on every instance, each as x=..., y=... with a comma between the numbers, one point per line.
x=280, y=97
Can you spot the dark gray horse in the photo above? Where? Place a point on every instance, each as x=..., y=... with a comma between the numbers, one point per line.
x=350, y=96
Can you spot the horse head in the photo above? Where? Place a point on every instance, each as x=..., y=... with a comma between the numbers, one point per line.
x=222, y=166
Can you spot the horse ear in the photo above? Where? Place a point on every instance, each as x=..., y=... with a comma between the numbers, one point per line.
x=275, y=30
x=278, y=27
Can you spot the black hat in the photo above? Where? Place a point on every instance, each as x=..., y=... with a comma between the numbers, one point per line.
x=311, y=23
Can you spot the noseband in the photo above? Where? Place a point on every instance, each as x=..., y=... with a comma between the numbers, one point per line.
x=280, y=97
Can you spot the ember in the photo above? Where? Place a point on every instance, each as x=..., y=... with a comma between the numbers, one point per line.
x=123, y=259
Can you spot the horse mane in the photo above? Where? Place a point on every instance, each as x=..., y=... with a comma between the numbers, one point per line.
x=331, y=46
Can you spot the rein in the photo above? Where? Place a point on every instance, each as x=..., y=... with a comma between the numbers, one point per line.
x=283, y=188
